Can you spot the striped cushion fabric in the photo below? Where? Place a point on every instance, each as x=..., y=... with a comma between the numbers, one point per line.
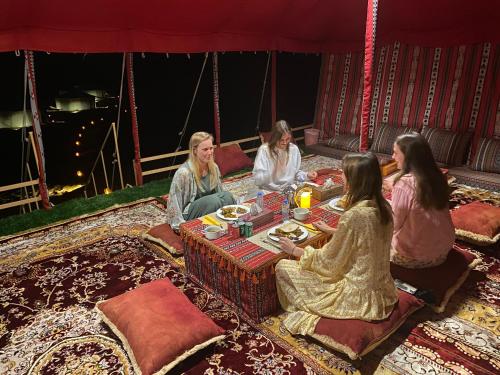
x=385, y=135
x=487, y=158
x=347, y=142
x=448, y=147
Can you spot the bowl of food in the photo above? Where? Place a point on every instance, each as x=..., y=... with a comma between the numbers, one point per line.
x=300, y=213
x=212, y=232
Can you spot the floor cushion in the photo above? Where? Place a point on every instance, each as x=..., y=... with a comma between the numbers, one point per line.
x=158, y=326
x=477, y=223
x=348, y=142
x=356, y=338
x=449, y=148
x=384, y=137
x=441, y=281
x=164, y=236
x=487, y=157
x=231, y=159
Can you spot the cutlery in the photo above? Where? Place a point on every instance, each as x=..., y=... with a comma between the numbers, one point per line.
x=305, y=226
x=272, y=244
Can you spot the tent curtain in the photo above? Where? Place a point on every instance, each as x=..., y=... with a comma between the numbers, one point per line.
x=215, y=70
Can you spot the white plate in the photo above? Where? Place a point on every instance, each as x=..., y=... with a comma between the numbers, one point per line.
x=219, y=212
x=302, y=237
x=333, y=204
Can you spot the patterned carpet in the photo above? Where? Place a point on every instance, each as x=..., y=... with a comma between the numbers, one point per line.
x=51, y=278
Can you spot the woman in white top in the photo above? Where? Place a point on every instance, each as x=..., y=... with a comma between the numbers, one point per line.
x=277, y=163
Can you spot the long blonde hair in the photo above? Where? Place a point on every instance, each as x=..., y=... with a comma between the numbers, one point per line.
x=279, y=129
x=194, y=142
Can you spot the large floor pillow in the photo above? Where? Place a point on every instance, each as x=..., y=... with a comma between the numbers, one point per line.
x=164, y=236
x=357, y=338
x=441, y=281
x=231, y=159
x=158, y=326
x=477, y=223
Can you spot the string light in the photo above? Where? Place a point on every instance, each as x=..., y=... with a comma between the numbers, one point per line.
x=77, y=154
x=79, y=173
x=83, y=127
x=92, y=122
x=107, y=191
x=77, y=143
x=80, y=135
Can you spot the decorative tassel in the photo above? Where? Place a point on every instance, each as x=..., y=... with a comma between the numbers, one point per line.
x=242, y=276
x=263, y=274
x=221, y=263
x=254, y=279
x=235, y=272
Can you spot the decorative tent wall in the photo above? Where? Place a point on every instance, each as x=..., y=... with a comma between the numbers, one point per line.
x=410, y=49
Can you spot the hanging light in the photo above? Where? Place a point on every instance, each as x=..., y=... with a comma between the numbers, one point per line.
x=77, y=154
x=77, y=143
x=83, y=127
x=79, y=173
x=80, y=135
x=107, y=191
x=92, y=122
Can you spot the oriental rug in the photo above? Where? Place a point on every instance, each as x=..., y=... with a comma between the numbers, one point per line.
x=51, y=278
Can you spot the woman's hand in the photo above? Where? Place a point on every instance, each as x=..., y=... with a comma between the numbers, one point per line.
x=287, y=245
x=324, y=227
x=312, y=175
x=387, y=184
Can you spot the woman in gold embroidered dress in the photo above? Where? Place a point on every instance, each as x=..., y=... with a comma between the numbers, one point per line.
x=349, y=277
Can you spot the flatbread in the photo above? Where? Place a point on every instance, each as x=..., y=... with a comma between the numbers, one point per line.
x=288, y=227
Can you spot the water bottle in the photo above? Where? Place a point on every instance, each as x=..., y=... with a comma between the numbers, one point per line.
x=260, y=199
x=285, y=210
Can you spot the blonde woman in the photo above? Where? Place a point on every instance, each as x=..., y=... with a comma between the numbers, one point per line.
x=277, y=163
x=196, y=188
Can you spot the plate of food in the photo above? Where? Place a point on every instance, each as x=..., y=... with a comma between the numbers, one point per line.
x=338, y=203
x=232, y=212
x=290, y=230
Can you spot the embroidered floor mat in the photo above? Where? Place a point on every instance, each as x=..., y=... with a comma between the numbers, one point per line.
x=47, y=325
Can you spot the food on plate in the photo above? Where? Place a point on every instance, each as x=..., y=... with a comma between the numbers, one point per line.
x=288, y=230
x=233, y=212
x=342, y=202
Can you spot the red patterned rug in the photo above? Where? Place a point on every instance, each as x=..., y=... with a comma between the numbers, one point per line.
x=51, y=278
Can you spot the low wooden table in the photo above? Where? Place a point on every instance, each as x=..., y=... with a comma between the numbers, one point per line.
x=239, y=270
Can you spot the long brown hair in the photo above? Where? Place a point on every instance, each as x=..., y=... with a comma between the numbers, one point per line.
x=431, y=185
x=364, y=181
x=194, y=142
x=279, y=129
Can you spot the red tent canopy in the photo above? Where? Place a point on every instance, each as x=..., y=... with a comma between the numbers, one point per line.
x=239, y=25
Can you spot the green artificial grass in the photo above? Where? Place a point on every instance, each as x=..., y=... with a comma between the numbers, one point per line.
x=81, y=206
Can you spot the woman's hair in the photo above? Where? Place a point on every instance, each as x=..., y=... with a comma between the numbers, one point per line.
x=279, y=129
x=431, y=184
x=194, y=142
x=364, y=181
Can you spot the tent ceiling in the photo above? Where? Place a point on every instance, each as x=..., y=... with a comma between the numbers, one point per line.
x=239, y=25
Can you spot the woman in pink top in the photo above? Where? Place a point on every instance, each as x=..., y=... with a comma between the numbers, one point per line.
x=423, y=230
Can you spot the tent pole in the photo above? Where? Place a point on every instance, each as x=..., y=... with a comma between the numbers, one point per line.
x=215, y=68
x=273, y=88
x=133, y=114
x=38, y=143
x=370, y=33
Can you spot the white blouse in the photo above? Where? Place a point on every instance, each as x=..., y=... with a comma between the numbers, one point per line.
x=265, y=164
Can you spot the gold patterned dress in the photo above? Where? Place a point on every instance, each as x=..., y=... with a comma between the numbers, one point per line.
x=348, y=278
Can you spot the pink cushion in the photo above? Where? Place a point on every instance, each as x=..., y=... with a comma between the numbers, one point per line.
x=164, y=236
x=231, y=159
x=158, y=326
x=443, y=280
x=477, y=222
x=357, y=337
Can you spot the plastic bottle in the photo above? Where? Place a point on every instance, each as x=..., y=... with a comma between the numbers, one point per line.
x=285, y=210
x=260, y=199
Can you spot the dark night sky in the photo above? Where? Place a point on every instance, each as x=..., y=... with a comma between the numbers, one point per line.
x=164, y=88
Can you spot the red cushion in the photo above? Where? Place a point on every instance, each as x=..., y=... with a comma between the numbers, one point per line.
x=158, y=326
x=443, y=280
x=164, y=236
x=477, y=222
x=357, y=337
x=231, y=159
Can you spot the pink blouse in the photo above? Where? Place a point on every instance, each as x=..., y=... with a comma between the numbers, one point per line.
x=421, y=235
